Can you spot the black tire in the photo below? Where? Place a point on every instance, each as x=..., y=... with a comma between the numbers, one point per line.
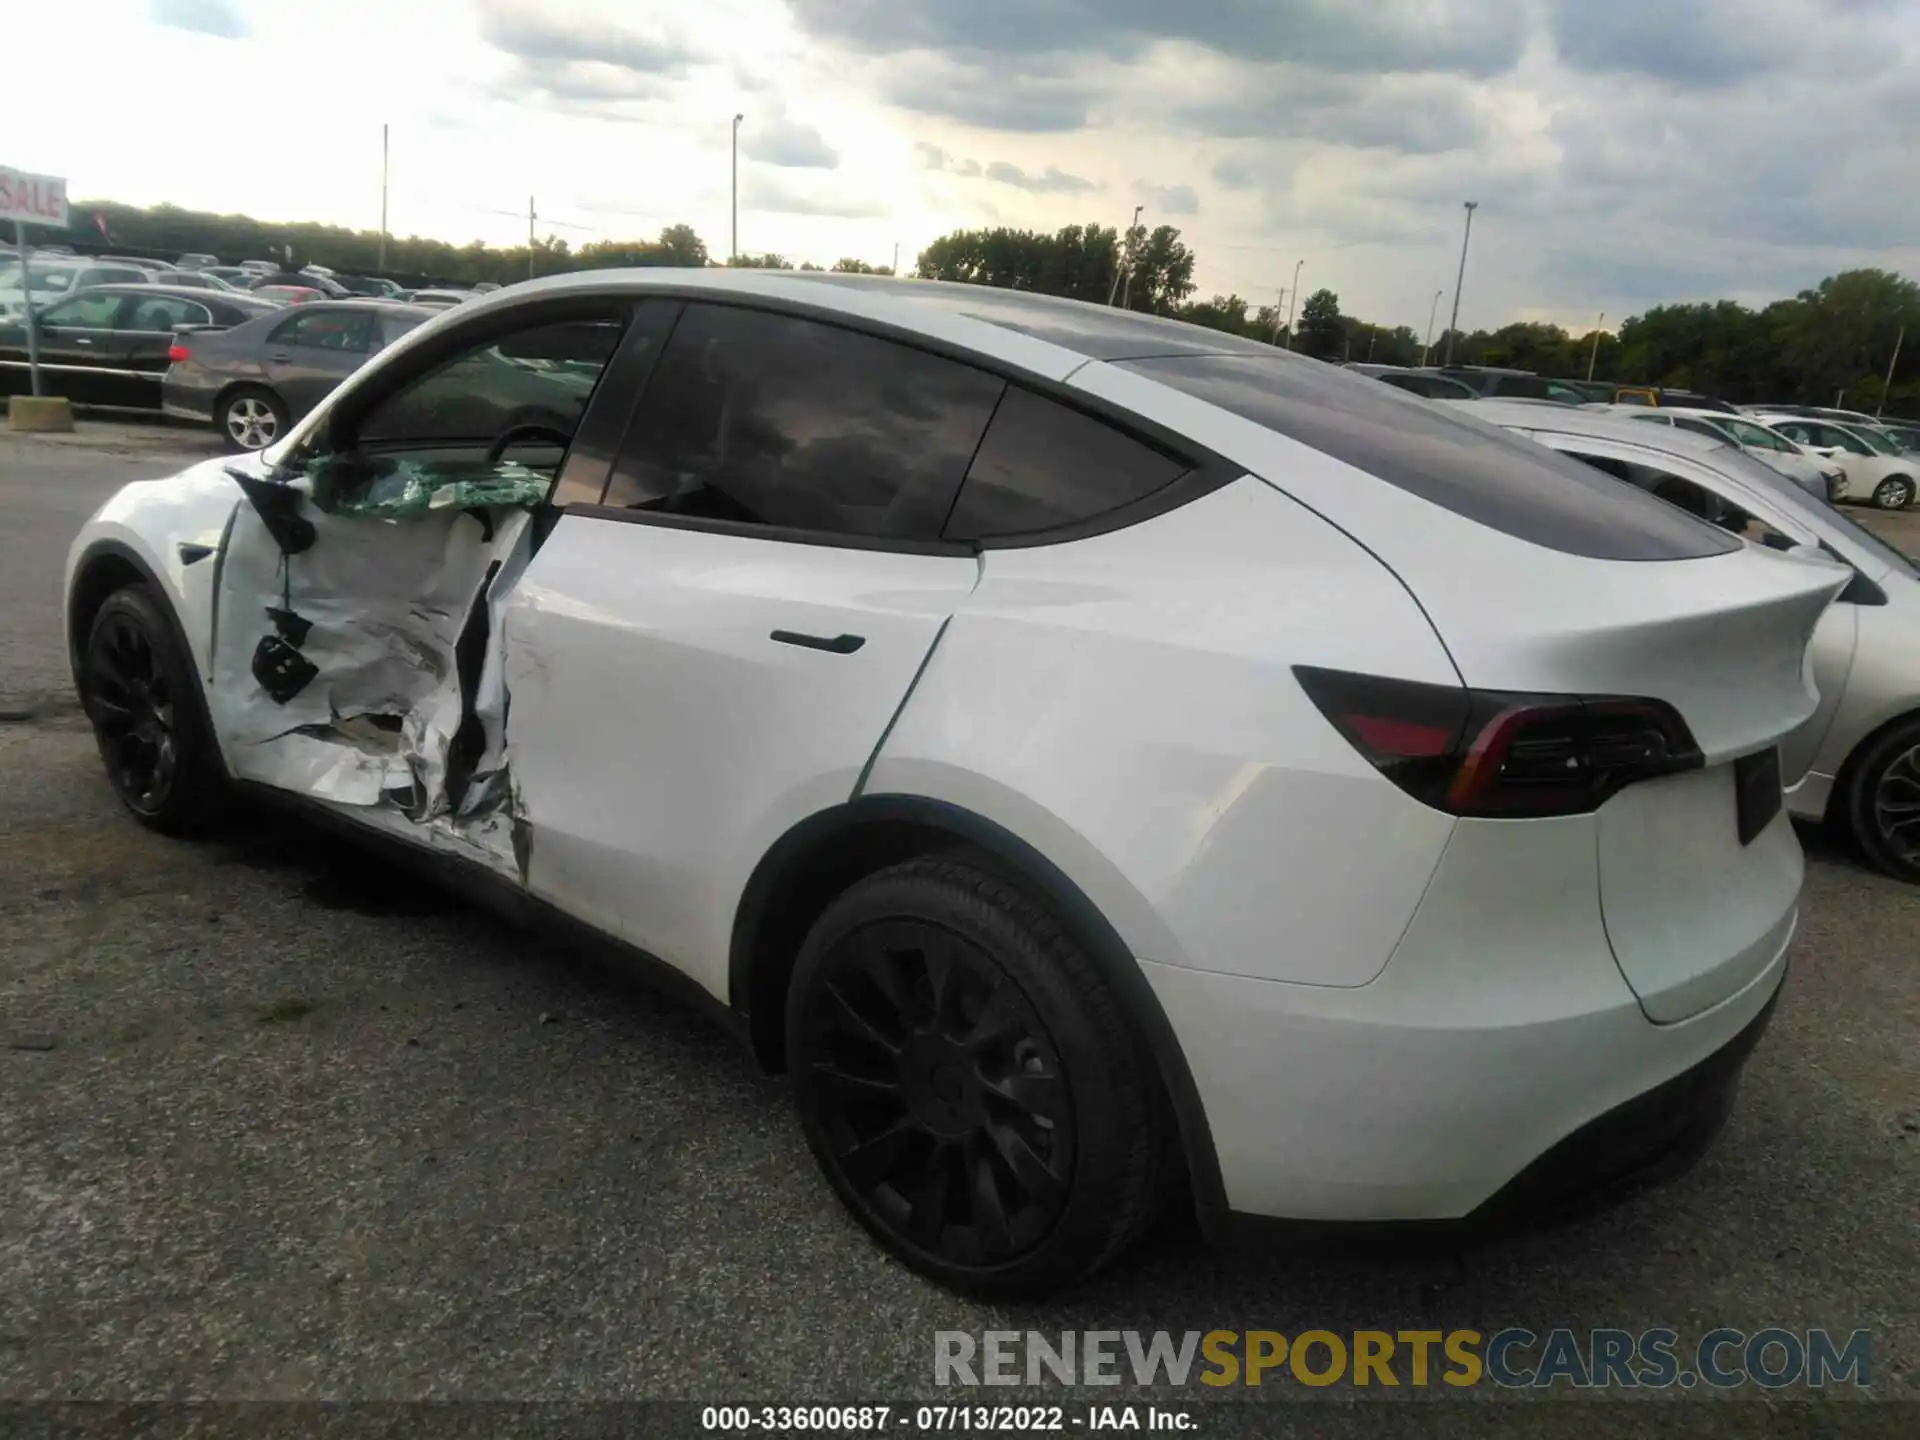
x=1002, y=1132
x=1884, y=780
x=143, y=698
x=250, y=417
x=1894, y=493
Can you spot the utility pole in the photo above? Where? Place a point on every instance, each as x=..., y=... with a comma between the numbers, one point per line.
x=733, y=251
x=1293, y=299
x=531, y=217
x=1426, y=351
x=1120, y=259
x=1278, y=301
x=1453, y=326
x=1373, y=338
x=383, y=197
x=1594, y=358
x=27, y=320
x=1880, y=409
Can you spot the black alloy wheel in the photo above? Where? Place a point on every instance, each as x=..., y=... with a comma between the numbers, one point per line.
x=139, y=692
x=967, y=1084
x=1883, y=801
x=941, y=1090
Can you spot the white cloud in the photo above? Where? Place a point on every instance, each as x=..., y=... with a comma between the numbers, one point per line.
x=1623, y=154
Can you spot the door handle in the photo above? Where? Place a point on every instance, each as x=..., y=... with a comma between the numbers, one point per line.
x=280, y=359
x=836, y=644
x=83, y=340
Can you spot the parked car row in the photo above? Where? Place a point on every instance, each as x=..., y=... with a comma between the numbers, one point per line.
x=1836, y=454
x=103, y=340
x=1092, y=756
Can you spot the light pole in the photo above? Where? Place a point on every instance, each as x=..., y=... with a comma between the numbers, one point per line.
x=1453, y=326
x=1880, y=409
x=1278, y=301
x=1426, y=350
x=383, y=198
x=733, y=251
x=1293, y=300
x=1594, y=359
x=1119, y=263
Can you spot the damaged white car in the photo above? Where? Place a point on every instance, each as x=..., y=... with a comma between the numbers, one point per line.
x=1090, y=754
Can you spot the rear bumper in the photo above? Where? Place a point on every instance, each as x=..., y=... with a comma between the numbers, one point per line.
x=1502, y=1025
x=1649, y=1138
x=186, y=404
x=1319, y=1117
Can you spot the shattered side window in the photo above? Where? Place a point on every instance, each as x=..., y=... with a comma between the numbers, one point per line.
x=541, y=376
x=392, y=487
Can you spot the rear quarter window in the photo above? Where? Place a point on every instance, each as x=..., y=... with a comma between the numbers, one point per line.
x=1041, y=466
x=1440, y=454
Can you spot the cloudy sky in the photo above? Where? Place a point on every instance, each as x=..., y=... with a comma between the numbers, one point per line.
x=1623, y=152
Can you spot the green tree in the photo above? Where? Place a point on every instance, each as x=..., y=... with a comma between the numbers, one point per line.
x=1322, y=327
x=769, y=261
x=1222, y=312
x=846, y=265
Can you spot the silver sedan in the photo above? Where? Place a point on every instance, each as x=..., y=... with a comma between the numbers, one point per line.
x=1856, y=763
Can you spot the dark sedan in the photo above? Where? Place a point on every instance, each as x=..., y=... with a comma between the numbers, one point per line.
x=250, y=383
x=109, y=345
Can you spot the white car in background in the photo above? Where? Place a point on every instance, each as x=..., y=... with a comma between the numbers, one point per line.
x=1879, y=472
x=1083, y=750
x=1856, y=762
x=1823, y=479
x=55, y=278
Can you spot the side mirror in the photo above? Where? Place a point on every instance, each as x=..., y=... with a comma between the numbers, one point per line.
x=1773, y=540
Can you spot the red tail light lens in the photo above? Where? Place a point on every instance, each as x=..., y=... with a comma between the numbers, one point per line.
x=1500, y=754
x=177, y=353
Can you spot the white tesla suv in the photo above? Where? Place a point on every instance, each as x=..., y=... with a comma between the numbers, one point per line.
x=1090, y=754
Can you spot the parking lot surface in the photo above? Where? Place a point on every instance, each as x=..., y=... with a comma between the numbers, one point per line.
x=279, y=1123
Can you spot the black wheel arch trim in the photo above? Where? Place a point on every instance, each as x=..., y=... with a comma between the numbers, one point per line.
x=1027, y=865
x=125, y=554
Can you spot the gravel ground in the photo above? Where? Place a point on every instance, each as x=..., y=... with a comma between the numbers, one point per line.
x=276, y=1124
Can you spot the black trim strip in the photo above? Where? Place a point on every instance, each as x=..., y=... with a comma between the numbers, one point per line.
x=897, y=544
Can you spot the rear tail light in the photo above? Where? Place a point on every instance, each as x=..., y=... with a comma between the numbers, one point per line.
x=177, y=353
x=1500, y=754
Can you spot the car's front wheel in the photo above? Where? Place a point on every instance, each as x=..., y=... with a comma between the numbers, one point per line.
x=1883, y=802
x=140, y=692
x=968, y=1082
x=252, y=418
x=1894, y=493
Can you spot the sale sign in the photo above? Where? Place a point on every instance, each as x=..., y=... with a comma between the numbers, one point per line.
x=35, y=199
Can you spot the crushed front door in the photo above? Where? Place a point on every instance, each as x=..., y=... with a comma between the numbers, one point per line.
x=352, y=658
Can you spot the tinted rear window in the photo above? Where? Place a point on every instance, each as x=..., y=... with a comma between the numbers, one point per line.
x=1442, y=455
x=1042, y=465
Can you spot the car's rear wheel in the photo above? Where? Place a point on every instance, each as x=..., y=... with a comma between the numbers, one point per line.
x=1894, y=493
x=968, y=1082
x=140, y=692
x=1883, y=801
x=252, y=418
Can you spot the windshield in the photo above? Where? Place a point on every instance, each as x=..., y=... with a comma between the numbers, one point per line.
x=1757, y=436
x=48, y=280
x=1832, y=521
x=1874, y=440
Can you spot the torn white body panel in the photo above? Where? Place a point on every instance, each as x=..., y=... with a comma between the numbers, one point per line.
x=376, y=608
